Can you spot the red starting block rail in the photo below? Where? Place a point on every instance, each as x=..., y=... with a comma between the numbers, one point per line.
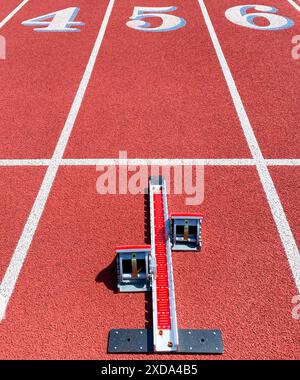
x=149, y=268
x=163, y=294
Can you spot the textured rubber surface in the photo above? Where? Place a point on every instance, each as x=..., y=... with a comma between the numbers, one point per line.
x=65, y=303
x=156, y=96
x=7, y=7
x=266, y=76
x=41, y=76
x=288, y=187
x=152, y=93
x=19, y=187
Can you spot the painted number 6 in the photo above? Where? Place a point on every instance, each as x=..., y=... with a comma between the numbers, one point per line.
x=169, y=22
x=238, y=15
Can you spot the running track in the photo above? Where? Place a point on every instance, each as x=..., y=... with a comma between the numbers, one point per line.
x=212, y=92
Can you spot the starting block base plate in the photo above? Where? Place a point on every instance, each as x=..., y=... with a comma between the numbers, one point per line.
x=141, y=341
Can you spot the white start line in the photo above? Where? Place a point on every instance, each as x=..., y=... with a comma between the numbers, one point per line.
x=151, y=161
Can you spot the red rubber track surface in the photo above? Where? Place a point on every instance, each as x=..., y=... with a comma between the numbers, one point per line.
x=41, y=76
x=64, y=303
x=7, y=6
x=288, y=186
x=266, y=76
x=19, y=187
x=151, y=92
x=156, y=95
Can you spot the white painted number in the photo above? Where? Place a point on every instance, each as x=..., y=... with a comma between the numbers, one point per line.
x=59, y=21
x=169, y=22
x=239, y=15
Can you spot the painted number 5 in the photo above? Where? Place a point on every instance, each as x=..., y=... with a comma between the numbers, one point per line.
x=169, y=22
x=239, y=15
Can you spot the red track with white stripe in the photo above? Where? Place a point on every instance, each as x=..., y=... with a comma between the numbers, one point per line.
x=221, y=94
x=162, y=284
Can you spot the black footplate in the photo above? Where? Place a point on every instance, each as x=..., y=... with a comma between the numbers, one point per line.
x=141, y=341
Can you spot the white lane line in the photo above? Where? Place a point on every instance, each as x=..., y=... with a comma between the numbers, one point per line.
x=283, y=227
x=12, y=13
x=283, y=162
x=295, y=5
x=151, y=161
x=25, y=162
x=13, y=270
x=158, y=162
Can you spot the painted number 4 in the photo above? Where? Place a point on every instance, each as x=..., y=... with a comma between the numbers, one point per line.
x=59, y=21
x=169, y=22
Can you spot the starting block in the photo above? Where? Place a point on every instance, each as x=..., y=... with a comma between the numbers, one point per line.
x=133, y=264
x=149, y=268
x=186, y=232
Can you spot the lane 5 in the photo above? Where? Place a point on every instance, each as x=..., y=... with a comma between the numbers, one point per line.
x=157, y=90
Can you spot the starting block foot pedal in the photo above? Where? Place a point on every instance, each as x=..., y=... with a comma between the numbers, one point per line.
x=141, y=341
x=200, y=341
x=130, y=340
